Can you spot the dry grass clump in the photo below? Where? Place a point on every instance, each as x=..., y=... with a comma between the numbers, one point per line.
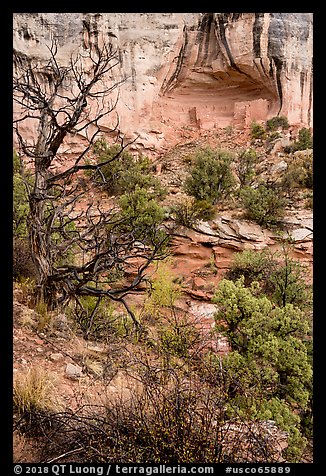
x=94, y=366
x=35, y=392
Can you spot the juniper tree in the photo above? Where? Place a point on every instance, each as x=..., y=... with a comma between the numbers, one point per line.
x=267, y=374
x=61, y=102
x=210, y=178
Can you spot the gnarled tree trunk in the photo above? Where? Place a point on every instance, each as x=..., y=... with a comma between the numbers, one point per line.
x=55, y=99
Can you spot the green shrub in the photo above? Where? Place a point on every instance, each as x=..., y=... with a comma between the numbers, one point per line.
x=257, y=131
x=140, y=212
x=252, y=265
x=97, y=318
x=125, y=173
x=245, y=166
x=163, y=290
x=17, y=164
x=188, y=211
x=267, y=374
x=276, y=122
x=211, y=178
x=280, y=277
x=21, y=180
x=305, y=139
x=273, y=136
x=228, y=130
x=308, y=177
x=263, y=205
x=288, y=284
x=304, y=142
x=44, y=317
x=292, y=179
x=299, y=173
x=178, y=339
x=26, y=287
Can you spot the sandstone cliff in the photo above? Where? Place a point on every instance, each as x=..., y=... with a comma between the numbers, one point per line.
x=189, y=70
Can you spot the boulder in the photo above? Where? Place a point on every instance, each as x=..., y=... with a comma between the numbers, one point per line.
x=56, y=357
x=223, y=229
x=222, y=345
x=247, y=230
x=279, y=144
x=301, y=234
x=74, y=372
x=279, y=167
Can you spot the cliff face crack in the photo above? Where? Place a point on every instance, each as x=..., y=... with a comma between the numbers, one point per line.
x=225, y=43
x=302, y=82
x=257, y=30
x=256, y=33
x=279, y=64
x=263, y=67
x=203, y=37
x=91, y=32
x=310, y=97
x=172, y=82
x=277, y=33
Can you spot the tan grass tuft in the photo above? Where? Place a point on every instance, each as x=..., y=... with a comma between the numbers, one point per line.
x=35, y=392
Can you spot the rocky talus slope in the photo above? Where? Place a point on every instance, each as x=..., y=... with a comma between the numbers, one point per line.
x=88, y=371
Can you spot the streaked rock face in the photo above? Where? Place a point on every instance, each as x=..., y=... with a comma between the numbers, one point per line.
x=189, y=70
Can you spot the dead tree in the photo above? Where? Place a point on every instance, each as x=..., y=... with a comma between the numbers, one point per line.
x=61, y=102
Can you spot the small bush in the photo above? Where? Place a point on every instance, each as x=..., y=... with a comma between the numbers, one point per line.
x=188, y=211
x=163, y=291
x=253, y=265
x=288, y=284
x=308, y=177
x=21, y=179
x=228, y=130
x=126, y=173
x=263, y=205
x=276, y=122
x=280, y=277
x=26, y=287
x=95, y=317
x=211, y=178
x=44, y=316
x=245, y=167
x=304, y=142
x=273, y=136
x=305, y=139
x=292, y=179
x=299, y=174
x=178, y=337
x=140, y=213
x=257, y=131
